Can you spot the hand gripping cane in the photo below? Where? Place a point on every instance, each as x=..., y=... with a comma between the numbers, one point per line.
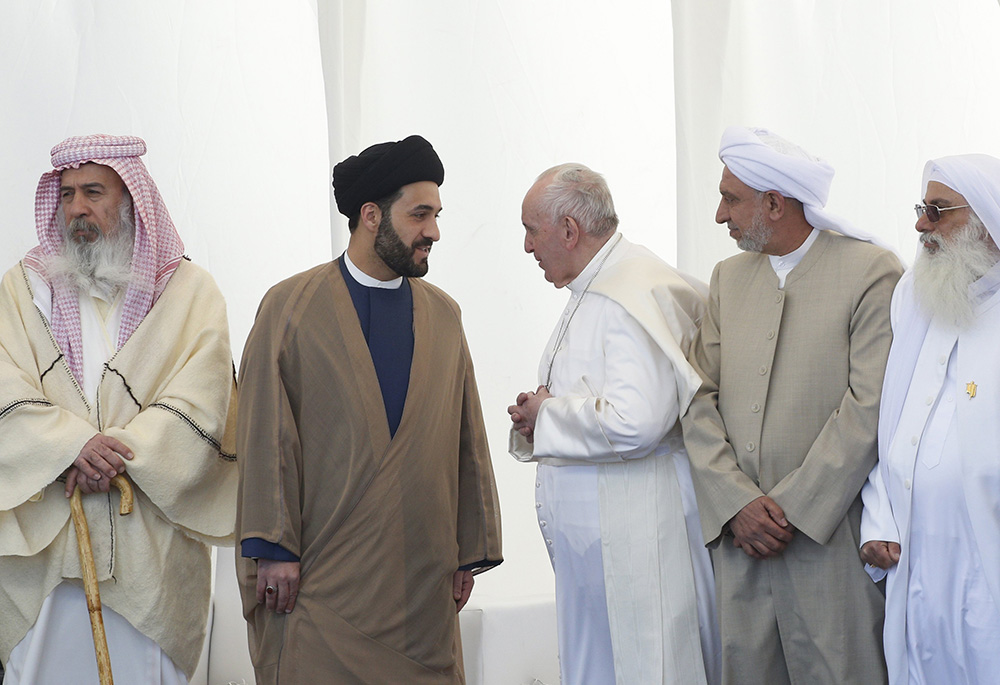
x=90, y=572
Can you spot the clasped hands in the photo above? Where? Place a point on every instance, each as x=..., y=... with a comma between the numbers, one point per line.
x=100, y=460
x=760, y=529
x=524, y=413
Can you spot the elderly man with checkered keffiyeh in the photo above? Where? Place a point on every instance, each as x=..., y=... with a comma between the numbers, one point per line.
x=114, y=359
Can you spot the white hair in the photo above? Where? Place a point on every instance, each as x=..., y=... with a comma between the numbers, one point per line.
x=578, y=192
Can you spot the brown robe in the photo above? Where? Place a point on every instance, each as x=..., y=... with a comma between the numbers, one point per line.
x=381, y=525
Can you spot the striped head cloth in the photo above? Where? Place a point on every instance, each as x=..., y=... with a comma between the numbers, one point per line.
x=157, y=252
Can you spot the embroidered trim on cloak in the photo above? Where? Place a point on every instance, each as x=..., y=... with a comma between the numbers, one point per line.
x=202, y=433
x=20, y=403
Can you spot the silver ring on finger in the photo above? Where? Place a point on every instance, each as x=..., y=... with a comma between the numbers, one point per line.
x=270, y=589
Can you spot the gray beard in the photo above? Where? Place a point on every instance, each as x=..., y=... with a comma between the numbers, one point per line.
x=104, y=265
x=755, y=237
x=941, y=280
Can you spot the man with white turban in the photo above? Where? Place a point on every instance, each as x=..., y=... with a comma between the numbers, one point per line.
x=782, y=432
x=932, y=503
x=114, y=359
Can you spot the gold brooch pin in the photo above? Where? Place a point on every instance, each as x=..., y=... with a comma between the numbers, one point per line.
x=970, y=389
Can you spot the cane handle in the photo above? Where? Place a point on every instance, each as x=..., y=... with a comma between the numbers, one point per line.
x=125, y=488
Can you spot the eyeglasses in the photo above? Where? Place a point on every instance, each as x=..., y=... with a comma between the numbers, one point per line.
x=933, y=212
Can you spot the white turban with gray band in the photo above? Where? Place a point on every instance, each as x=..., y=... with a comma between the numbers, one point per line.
x=765, y=161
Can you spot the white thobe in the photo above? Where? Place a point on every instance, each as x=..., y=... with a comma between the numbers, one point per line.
x=59, y=647
x=942, y=619
x=613, y=475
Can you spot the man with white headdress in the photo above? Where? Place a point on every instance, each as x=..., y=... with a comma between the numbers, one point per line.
x=932, y=504
x=614, y=499
x=782, y=432
x=114, y=359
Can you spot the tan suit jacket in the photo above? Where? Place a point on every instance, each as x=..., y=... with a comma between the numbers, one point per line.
x=788, y=408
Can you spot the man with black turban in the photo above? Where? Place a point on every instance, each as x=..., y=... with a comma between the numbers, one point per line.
x=367, y=498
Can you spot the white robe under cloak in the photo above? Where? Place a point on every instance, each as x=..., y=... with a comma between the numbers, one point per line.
x=620, y=380
x=888, y=492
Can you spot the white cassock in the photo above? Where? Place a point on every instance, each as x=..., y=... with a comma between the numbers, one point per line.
x=616, y=507
x=936, y=491
x=63, y=625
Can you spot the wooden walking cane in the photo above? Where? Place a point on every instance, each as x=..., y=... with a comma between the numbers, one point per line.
x=90, y=572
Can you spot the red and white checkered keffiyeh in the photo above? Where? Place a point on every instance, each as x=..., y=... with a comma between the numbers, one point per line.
x=158, y=248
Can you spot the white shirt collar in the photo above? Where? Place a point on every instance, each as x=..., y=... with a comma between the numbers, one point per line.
x=101, y=294
x=792, y=259
x=783, y=264
x=366, y=280
x=584, y=278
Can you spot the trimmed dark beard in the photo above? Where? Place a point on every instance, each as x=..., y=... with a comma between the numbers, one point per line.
x=941, y=279
x=104, y=264
x=396, y=254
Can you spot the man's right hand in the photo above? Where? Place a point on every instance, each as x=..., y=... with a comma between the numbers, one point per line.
x=880, y=553
x=760, y=529
x=277, y=584
x=99, y=461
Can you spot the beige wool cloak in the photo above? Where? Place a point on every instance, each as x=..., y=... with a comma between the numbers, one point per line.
x=169, y=395
x=380, y=525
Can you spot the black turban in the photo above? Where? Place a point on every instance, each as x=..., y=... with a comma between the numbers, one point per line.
x=383, y=169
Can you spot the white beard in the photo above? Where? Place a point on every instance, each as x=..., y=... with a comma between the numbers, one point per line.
x=941, y=279
x=104, y=264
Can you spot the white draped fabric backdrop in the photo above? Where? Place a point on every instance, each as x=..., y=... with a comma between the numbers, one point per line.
x=245, y=104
